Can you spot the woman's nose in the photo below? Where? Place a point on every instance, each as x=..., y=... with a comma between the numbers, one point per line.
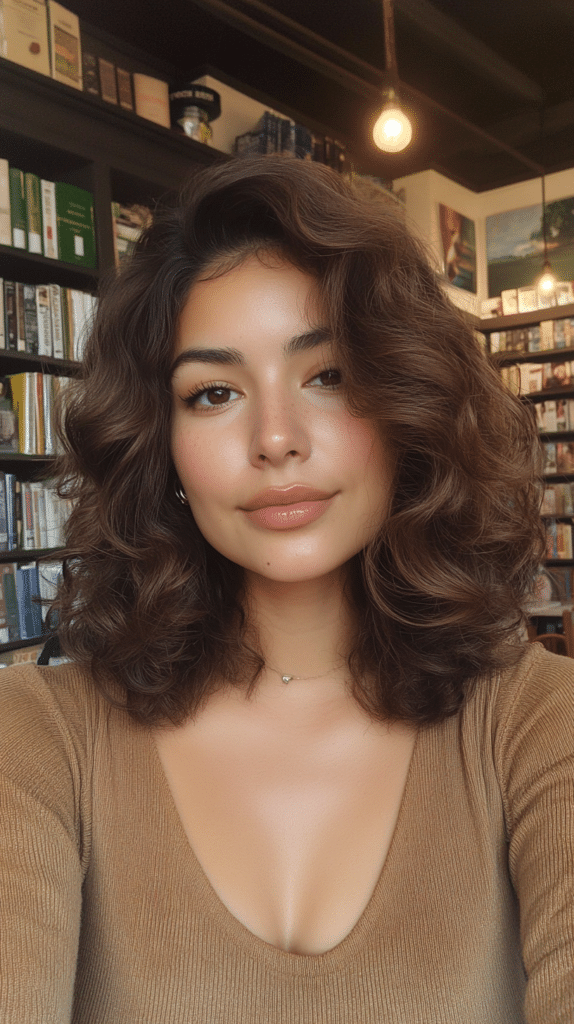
x=279, y=430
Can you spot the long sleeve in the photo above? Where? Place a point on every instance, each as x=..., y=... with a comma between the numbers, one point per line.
x=40, y=853
x=534, y=750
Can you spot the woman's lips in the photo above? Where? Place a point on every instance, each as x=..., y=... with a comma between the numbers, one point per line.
x=289, y=517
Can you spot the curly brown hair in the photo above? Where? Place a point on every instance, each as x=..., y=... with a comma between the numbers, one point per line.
x=147, y=604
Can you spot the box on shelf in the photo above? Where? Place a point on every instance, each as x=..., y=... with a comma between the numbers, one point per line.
x=151, y=96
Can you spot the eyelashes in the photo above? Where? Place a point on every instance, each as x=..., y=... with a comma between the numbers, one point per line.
x=219, y=393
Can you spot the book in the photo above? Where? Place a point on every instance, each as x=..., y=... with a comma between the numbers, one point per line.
x=10, y=319
x=34, y=212
x=2, y=317
x=128, y=224
x=3, y=523
x=20, y=319
x=44, y=317
x=65, y=45
x=125, y=89
x=11, y=511
x=28, y=600
x=90, y=73
x=108, y=83
x=151, y=99
x=28, y=537
x=57, y=323
x=18, y=216
x=8, y=578
x=49, y=222
x=75, y=225
x=24, y=34
x=23, y=387
x=5, y=221
x=30, y=319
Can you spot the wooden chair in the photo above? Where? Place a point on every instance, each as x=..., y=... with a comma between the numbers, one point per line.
x=558, y=643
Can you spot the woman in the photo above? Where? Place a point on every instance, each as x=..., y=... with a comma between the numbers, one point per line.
x=300, y=767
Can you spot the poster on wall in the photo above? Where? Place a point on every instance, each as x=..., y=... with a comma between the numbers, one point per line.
x=515, y=245
x=458, y=248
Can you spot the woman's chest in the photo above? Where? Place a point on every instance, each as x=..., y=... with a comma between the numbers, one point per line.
x=292, y=828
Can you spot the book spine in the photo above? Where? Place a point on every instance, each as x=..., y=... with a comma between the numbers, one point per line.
x=10, y=319
x=4, y=632
x=65, y=45
x=151, y=97
x=20, y=318
x=38, y=387
x=36, y=492
x=125, y=89
x=11, y=512
x=9, y=590
x=28, y=540
x=3, y=340
x=90, y=75
x=108, y=84
x=75, y=223
x=18, y=215
x=57, y=323
x=27, y=589
x=49, y=222
x=5, y=220
x=30, y=320
x=44, y=320
x=3, y=519
x=34, y=212
x=48, y=413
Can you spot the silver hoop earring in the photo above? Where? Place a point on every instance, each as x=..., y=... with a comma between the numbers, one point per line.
x=181, y=495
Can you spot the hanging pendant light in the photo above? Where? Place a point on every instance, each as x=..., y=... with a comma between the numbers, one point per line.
x=393, y=130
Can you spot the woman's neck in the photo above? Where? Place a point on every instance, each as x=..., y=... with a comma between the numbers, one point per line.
x=305, y=630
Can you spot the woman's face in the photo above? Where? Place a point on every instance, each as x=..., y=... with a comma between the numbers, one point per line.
x=258, y=407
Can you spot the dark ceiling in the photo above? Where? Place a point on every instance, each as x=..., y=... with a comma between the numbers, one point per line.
x=495, y=64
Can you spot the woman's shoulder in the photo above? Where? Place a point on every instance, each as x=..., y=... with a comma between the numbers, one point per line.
x=533, y=711
x=46, y=710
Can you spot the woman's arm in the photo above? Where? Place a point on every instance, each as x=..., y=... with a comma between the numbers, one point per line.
x=40, y=853
x=534, y=749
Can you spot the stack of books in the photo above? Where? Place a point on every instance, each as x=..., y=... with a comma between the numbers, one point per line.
x=25, y=588
x=53, y=219
x=32, y=516
x=33, y=396
x=45, y=319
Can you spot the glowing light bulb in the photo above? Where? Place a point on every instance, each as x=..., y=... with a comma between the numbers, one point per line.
x=547, y=282
x=393, y=130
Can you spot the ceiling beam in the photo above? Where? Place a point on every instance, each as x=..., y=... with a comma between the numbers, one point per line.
x=468, y=48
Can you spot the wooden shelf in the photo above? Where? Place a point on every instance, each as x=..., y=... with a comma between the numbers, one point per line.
x=26, y=555
x=554, y=355
x=506, y=323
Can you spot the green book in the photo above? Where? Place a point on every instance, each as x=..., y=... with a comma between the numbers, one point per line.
x=75, y=223
x=34, y=212
x=18, y=215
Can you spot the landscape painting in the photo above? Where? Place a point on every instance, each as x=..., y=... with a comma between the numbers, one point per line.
x=515, y=245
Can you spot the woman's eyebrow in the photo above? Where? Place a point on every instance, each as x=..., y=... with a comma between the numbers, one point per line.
x=233, y=357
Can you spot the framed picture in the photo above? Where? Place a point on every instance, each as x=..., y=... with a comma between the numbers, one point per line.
x=458, y=238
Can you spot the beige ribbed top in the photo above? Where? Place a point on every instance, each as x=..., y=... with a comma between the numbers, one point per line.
x=106, y=916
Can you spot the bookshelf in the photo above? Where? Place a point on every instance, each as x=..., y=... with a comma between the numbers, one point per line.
x=62, y=134
x=553, y=403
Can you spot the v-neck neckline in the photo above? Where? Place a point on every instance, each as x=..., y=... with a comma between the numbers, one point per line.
x=251, y=944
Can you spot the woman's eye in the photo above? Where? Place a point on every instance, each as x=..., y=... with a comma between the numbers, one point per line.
x=328, y=378
x=209, y=397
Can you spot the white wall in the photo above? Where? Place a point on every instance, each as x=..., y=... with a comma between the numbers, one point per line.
x=239, y=114
x=424, y=191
